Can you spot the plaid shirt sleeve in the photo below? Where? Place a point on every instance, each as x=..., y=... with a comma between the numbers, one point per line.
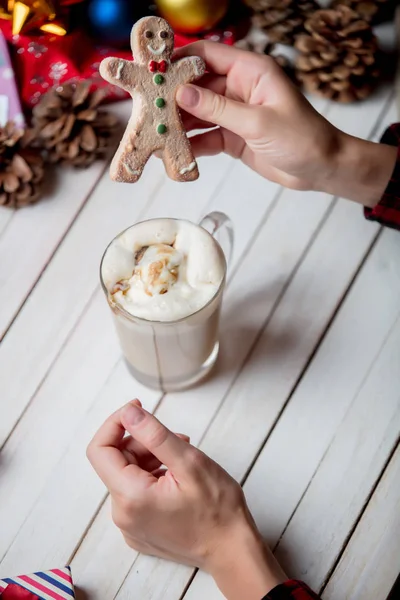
x=387, y=211
x=291, y=590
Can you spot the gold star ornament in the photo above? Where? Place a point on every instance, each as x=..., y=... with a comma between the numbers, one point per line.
x=26, y=15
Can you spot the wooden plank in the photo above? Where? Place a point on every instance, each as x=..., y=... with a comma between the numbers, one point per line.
x=176, y=201
x=280, y=477
x=205, y=399
x=6, y=214
x=37, y=541
x=246, y=409
x=43, y=468
x=40, y=440
x=326, y=522
x=261, y=278
x=151, y=578
x=348, y=471
x=53, y=307
x=69, y=503
x=60, y=296
x=289, y=338
x=33, y=233
x=374, y=547
x=206, y=396
x=311, y=300
x=247, y=406
x=203, y=587
x=103, y=545
x=83, y=562
x=252, y=407
x=264, y=272
x=70, y=492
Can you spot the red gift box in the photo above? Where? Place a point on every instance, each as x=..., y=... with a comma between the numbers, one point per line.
x=16, y=592
x=10, y=106
x=43, y=585
x=44, y=61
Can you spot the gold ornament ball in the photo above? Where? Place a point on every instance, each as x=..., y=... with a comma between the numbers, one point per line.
x=192, y=16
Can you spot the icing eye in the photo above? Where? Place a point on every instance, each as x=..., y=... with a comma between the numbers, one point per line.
x=148, y=34
x=163, y=34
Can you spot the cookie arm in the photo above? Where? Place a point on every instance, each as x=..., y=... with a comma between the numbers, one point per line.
x=118, y=71
x=189, y=68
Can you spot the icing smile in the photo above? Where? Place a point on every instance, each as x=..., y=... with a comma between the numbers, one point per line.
x=157, y=51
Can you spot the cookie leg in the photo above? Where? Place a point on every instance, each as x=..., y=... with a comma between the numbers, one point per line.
x=128, y=165
x=131, y=156
x=178, y=158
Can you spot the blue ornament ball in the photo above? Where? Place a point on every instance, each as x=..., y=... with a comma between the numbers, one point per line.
x=111, y=21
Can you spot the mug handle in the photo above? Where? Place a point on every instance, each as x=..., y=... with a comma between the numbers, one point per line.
x=219, y=225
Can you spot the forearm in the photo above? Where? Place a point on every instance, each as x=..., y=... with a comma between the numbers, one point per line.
x=244, y=568
x=360, y=170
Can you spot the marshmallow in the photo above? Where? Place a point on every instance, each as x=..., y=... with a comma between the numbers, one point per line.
x=163, y=269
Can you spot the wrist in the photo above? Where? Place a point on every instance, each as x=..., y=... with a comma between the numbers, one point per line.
x=359, y=170
x=242, y=566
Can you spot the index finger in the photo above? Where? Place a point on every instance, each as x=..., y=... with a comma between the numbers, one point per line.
x=219, y=57
x=160, y=441
x=103, y=451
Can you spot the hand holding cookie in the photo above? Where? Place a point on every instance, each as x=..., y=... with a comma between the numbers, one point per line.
x=262, y=118
x=155, y=124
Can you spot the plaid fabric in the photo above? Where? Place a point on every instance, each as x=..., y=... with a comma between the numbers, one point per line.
x=387, y=211
x=291, y=590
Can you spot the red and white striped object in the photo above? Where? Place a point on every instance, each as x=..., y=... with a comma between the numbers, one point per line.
x=44, y=585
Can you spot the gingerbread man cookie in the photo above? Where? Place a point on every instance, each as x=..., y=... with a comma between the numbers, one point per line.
x=155, y=124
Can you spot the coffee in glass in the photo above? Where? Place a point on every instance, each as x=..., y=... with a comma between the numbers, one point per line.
x=164, y=280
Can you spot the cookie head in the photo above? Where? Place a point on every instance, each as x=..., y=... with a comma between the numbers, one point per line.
x=152, y=39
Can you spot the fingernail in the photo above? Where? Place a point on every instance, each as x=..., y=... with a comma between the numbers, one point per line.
x=188, y=95
x=133, y=415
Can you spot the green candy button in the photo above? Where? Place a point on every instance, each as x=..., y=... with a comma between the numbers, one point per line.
x=158, y=79
x=160, y=102
x=161, y=128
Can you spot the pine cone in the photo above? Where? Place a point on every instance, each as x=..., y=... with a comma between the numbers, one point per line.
x=264, y=47
x=372, y=11
x=70, y=128
x=21, y=169
x=338, y=59
x=258, y=47
x=282, y=20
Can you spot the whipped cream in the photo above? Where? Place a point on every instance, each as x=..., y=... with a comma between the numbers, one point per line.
x=163, y=269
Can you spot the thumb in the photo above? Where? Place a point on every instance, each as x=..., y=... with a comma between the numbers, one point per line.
x=170, y=449
x=209, y=106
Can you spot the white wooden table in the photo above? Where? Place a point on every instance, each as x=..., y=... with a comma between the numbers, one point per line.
x=304, y=408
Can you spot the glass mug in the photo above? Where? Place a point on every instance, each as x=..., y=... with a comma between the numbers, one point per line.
x=174, y=355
